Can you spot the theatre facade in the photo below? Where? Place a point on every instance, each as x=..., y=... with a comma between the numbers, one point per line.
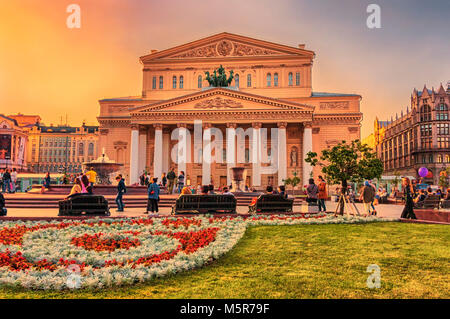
x=270, y=99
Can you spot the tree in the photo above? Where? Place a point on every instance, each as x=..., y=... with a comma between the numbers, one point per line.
x=344, y=162
x=293, y=181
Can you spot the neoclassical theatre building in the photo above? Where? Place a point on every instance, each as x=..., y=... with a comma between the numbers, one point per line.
x=272, y=88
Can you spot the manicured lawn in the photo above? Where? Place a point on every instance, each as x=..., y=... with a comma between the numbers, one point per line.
x=306, y=261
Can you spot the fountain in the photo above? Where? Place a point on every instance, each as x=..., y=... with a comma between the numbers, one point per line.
x=104, y=167
x=237, y=177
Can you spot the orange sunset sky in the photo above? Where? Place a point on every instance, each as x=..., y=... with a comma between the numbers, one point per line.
x=53, y=71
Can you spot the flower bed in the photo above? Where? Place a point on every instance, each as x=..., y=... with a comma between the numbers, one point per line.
x=113, y=252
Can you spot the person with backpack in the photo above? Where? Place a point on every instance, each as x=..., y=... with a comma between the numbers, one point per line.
x=153, y=196
x=367, y=196
x=121, y=189
x=312, y=191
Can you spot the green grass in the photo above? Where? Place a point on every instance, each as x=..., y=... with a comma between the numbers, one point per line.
x=306, y=261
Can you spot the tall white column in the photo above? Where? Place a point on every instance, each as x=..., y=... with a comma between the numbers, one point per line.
x=158, y=152
x=307, y=147
x=134, y=155
x=231, y=150
x=282, y=157
x=183, y=148
x=166, y=151
x=256, y=155
x=142, y=150
x=207, y=158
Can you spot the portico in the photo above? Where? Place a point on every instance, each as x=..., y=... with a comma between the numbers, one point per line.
x=224, y=128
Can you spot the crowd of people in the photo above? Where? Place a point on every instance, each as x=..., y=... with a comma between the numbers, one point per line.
x=8, y=180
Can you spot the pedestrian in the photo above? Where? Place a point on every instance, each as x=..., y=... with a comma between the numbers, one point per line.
x=374, y=211
x=323, y=195
x=1, y=180
x=171, y=178
x=408, y=210
x=7, y=180
x=367, y=196
x=121, y=189
x=13, y=180
x=47, y=180
x=164, y=180
x=312, y=191
x=180, y=181
x=153, y=196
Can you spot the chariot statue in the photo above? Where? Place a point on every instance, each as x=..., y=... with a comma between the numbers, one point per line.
x=219, y=77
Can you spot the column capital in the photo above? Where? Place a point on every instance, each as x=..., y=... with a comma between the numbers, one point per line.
x=179, y=125
x=134, y=127
x=282, y=125
x=231, y=125
x=257, y=125
x=207, y=125
x=158, y=126
x=307, y=124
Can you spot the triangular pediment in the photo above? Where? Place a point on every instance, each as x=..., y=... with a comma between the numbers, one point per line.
x=227, y=45
x=223, y=100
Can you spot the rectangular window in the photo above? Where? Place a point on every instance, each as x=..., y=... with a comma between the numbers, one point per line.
x=249, y=80
x=297, y=78
x=154, y=83
x=161, y=82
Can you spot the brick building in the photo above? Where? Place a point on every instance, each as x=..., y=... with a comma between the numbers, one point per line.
x=419, y=138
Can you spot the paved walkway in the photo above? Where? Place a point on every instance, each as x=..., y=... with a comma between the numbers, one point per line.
x=384, y=210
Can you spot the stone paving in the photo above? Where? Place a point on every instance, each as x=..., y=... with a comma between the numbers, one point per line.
x=384, y=210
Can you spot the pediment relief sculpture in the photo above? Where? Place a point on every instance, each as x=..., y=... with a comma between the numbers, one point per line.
x=218, y=102
x=225, y=48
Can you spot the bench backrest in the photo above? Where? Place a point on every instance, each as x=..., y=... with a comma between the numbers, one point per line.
x=273, y=200
x=205, y=201
x=87, y=199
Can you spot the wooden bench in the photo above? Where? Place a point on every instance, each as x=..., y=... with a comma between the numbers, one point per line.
x=203, y=204
x=267, y=203
x=431, y=201
x=81, y=204
x=445, y=203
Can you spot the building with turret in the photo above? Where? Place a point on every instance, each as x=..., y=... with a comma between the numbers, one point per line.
x=420, y=137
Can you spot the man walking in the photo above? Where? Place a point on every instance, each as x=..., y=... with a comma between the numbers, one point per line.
x=322, y=194
x=367, y=196
x=7, y=181
x=171, y=178
x=92, y=176
x=121, y=189
x=13, y=180
x=180, y=182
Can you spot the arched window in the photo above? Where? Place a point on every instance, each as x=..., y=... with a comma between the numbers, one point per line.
x=297, y=78
x=91, y=149
x=81, y=149
x=154, y=83
x=275, y=79
x=447, y=158
x=174, y=82
x=425, y=113
x=161, y=82
x=236, y=80
x=290, y=79
x=249, y=80
x=181, y=81
x=269, y=79
x=200, y=81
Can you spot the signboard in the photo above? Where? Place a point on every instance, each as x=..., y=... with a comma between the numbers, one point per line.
x=5, y=146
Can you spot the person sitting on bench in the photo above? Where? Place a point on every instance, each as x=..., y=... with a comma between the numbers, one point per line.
x=76, y=189
x=269, y=190
x=3, y=209
x=421, y=197
x=312, y=191
x=282, y=191
x=185, y=191
x=226, y=191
